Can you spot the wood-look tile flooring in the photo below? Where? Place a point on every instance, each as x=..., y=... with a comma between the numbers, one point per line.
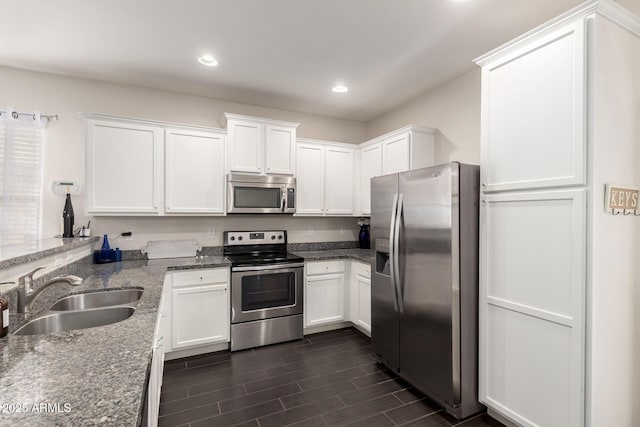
x=328, y=379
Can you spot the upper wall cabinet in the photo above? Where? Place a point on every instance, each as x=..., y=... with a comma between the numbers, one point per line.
x=260, y=146
x=325, y=178
x=541, y=142
x=194, y=172
x=124, y=168
x=405, y=149
x=137, y=167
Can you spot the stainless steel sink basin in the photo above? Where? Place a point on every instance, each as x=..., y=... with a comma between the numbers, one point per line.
x=65, y=321
x=97, y=299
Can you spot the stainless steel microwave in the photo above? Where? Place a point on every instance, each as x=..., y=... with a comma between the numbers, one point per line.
x=261, y=194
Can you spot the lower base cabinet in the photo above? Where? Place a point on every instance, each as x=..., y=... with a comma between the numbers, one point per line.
x=360, y=296
x=157, y=366
x=324, y=292
x=199, y=308
x=337, y=291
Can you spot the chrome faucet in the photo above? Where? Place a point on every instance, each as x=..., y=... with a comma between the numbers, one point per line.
x=26, y=293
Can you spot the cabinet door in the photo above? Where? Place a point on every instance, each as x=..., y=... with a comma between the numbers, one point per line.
x=396, y=154
x=370, y=166
x=310, y=179
x=339, y=196
x=280, y=150
x=533, y=114
x=364, y=302
x=194, y=173
x=157, y=365
x=532, y=306
x=324, y=299
x=200, y=315
x=124, y=168
x=245, y=141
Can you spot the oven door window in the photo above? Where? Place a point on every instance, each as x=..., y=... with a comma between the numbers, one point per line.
x=256, y=197
x=264, y=291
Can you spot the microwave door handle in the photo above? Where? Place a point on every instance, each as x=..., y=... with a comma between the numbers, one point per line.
x=283, y=202
x=230, y=197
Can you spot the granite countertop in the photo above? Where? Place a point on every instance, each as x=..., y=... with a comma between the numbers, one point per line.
x=12, y=255
x=94, y=376
x=97, y=376
x=362, y=255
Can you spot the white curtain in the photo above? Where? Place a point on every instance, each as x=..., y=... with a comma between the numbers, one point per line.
x=21, y=164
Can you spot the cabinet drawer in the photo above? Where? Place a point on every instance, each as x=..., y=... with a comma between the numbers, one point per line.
x=361, y=269
x=196, y=277
x=323, y=267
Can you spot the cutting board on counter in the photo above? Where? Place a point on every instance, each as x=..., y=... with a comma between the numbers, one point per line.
x=156, y=249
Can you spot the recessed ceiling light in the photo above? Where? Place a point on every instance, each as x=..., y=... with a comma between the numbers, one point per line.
x=340, y=89
x=208, y=60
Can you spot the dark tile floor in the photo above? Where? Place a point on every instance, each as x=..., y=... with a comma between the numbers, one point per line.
x=328, y=379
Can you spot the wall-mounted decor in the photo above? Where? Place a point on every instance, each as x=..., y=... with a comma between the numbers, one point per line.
x=619, y=199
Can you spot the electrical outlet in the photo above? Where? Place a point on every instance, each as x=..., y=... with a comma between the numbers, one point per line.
x=211, y=234
x=310, y=232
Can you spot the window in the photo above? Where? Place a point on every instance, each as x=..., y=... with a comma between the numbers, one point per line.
x=21, y=146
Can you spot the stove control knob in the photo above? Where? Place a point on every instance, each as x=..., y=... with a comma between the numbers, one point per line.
x=280, y=237
x=233, y=238
x=239, y=237
x=273, y=237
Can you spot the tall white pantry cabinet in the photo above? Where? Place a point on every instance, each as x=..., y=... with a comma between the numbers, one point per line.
x=559, y=289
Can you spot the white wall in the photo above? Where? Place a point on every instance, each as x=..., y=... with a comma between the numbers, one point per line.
x=614, y=297
x=65, y=154
x=453, y=108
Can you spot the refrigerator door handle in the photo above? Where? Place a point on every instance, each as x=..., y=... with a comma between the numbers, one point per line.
x=392, y=251
x=396, y=255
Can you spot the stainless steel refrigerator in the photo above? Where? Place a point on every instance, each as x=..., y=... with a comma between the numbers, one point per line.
x=424, y=288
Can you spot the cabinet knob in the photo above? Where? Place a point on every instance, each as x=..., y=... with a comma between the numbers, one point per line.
x=484, y=185
x=201, y=278
x=484, y=204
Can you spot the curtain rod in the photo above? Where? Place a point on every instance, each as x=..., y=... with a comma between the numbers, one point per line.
x=16, y=114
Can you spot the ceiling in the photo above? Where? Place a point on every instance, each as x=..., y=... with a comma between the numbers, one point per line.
x=284, y=54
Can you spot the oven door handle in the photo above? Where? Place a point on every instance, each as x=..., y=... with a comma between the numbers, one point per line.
x=267, y=267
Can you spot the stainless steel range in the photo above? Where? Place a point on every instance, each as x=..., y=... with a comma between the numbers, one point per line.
x=266, y=288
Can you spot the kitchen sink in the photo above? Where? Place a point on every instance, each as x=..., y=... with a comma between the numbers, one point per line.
x=65, y=321
x=97, y=299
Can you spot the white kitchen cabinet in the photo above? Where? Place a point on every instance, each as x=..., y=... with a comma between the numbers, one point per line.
x=396, y=153
x=324, y=293
x=539, y=142
x=148, y=168
x=310, y=179
x=200, y=308
x=157, y=366
x=124, y=168
x=559, y=120
x=339, y=178
x=260, y=146
x=370, y=166
x=408, y=148
x=360, y=296
x=325, y=178
x=532, y=305
x=194, y=172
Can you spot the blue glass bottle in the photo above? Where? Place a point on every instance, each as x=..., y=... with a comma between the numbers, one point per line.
x=364, y=239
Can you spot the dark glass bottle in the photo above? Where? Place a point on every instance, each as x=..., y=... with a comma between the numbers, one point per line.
x=67, y=217
x=4, y=320
x=364, y=238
